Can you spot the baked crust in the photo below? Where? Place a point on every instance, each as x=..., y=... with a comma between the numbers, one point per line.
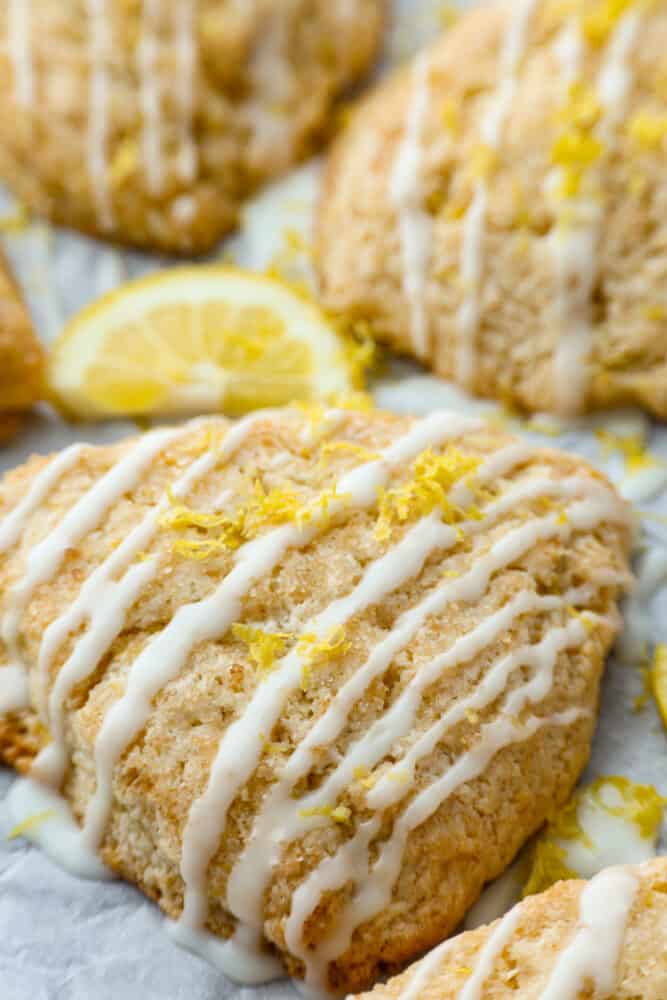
x=548, y=924
x=539, y=299
x=555, y=549
x=21, y=356
x=151, y=123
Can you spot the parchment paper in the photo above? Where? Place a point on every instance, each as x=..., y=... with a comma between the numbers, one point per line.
x=66, y=939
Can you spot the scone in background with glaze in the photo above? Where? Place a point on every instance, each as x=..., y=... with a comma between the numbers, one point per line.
x=497, y=209
x=609, y=935
x=318, y=674
x=150, y=121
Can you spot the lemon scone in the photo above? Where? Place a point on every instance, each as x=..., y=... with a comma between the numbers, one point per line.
x=605, y=938
x=149, y=122
x=310, y=679
x=496, y=209
x=21, y=356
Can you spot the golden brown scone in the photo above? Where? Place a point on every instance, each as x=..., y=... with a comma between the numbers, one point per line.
x=497, y=209
x=605, y=939
x=21, y=356
x=150, y=121
x=330, y=687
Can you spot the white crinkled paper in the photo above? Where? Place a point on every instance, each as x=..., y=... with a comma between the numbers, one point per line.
x=66, y=939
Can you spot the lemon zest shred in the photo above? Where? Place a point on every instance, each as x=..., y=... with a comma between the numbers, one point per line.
x=349, y=447
x=642, y=805
x=433, y=477
x=648, y=129
x=364, y=777
x=31, y=823
x=315, y=650
x=632, y=447
x=264, y=647
x=339, y=814
x=548, y=866
x=658, y=680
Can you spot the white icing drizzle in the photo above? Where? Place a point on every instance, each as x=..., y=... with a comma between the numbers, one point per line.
x=186, y=51
x=241, y=746
x=492, y=949
x=280, y=820
x=14, y=522
x=593, y=954
x=474, y=222
x=425, y=972
x=111, y=589
x=378, y=882
x=151, y=95
x=54, y=829
x=14, y=689
x=45, y=558
x=99, y=101
x=209, y=619
x=407, y=194
x=574, y=246
x=19, y=39
x=242, y=957
x=104, y=601
x=353, y=856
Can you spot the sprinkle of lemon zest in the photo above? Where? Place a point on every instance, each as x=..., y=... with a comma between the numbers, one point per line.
x=483, y=161
x=642, y=805
x=364, y=777
x=582, y=109
x=463, y=970
x=31, y=823
x=583, y=617
x=659, y=680
x=648, y=129
x=562, y=517
x=316, y=650
x=339, y=814
x=360, y=402
x=574, y=152
x=124, y=163
x=632, y=447
x=599, y=24
x=451, y=574
x=472, y=716
x=641, y=701
x=548, y=866
x=264, y=647
x=350, y=448
x=655, y=313
x=451, y=116
x=433, y=477
x=16, y=221
x=359, y=351
x=448, y=14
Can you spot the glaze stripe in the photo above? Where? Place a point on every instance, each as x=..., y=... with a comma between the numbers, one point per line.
x=474, y=222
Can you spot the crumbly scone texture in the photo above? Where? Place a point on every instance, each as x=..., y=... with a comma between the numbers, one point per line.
x=358, y=243
x=21, y=356
x=476, y=832
x=150, y=123
x=546, y=927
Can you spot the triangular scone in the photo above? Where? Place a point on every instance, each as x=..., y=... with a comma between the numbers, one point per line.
x=322, y=672
x=497, y=208
x=21, y=356
x=150, y=122
x=608, y=935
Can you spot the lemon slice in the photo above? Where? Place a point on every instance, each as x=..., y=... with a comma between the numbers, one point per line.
x=196, y=340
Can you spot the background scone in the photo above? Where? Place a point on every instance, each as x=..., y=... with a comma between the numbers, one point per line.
x=608, y=934
x=149, y=122
x=331, y=685
x=21, y=356
x=497, y=209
